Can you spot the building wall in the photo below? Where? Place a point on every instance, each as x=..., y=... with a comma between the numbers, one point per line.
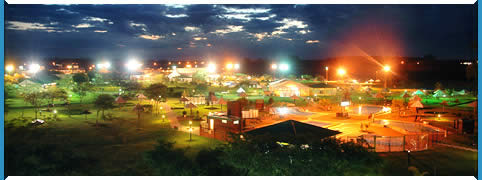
x=323, y=91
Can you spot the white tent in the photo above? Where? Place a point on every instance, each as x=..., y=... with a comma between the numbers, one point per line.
x=459, y=93
x=418, y=92
x=439, y=93
x=240, y=90
x=173, y=74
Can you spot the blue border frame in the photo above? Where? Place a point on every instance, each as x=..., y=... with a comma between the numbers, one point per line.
x=479, y=40
x=2, y=102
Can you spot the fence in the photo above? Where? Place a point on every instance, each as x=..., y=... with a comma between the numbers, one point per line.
x=412, y=142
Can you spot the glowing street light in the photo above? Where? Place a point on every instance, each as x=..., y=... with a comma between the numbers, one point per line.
x=283, y=67
x=236, y=66
x=104, y=65
x=133, y=65
x=34, y=68
x=274, y=66
x=326, y=71
x=341, y=72
x=211, y=67
x=9, y=68
x=229, y=66
x=386, y=69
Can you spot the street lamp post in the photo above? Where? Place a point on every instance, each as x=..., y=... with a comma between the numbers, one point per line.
x=386, y=69
x=274, y=67
x=326, y=76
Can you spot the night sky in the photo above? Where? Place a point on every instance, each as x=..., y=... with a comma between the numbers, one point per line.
x=238, y=31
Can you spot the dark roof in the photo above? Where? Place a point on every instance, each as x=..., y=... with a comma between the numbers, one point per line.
x=292, y=130
x=320, y=85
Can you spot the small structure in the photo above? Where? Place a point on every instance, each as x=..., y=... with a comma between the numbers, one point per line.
x=222, y=102
x=190, y=106
x=459, y=93
x=291, y=131
x=439, y=93
x=220, y=126
x=27, y=82
x=418, y=93
x=240, y=90
x=416, y=98
x=287, y=88
x=322, y=89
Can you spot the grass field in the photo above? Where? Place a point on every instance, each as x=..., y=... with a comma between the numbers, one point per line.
x=440, y=161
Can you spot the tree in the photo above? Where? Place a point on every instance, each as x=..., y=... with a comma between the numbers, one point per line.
x=82, y=89
x=103, y=102
x=131, y=86
x=201, y=88
x=80, y=78
x=154, y=91
x=36, y=99
x=438, y=86
x=54, y=93
x=199, y=76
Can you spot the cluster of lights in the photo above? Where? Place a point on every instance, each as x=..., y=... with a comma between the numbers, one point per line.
x=230, y=66
x=282, y=67
x=104, y=65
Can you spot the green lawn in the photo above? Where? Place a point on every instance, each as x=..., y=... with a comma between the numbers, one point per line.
x=440, y=161
x=116, y=143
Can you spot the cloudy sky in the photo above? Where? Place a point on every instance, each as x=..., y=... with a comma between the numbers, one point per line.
x=254, y=31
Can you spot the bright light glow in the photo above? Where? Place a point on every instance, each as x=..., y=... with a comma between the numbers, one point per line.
x=190, y=122
x=133, y=65
x=229, y=66
x=326, y=68
x=55, y=111
x=283, y=67
x=188, y=66
x=9, y=68
x=283, y=110
x=236, y=66
x=341, y=71
x=439, y=115
x=386, y=68
x=34, y=68
x=104, y=65
x=174, y=67
x=274, y=66
x=345, y=103
x=386, y=109
x=212, y=68
x=69, y=67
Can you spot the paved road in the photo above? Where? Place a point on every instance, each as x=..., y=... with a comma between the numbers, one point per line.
x=171, y=115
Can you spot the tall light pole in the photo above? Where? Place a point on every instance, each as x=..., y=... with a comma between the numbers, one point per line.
x=326, y=76
x=341, y=72
x=274, y=67
x=386, y=69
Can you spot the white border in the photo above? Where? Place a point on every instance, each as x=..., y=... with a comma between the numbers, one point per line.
x=241, y=2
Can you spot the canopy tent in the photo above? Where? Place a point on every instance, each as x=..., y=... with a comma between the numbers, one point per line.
x=439, y=93
x=28, y=83
x=418, y=93
x=120, y=100
x=190, y=106
x=222, y=102
x=405, y=94
x=240, y=90
x=416, y=104
x=459, y=93
x=416, y=98
x=174, y=74
x=292, y=131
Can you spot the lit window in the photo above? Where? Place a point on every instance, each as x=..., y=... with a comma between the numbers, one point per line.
x=224, y=121
x=235, y=122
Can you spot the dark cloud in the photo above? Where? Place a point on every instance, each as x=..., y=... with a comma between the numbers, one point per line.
x=156, y=31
